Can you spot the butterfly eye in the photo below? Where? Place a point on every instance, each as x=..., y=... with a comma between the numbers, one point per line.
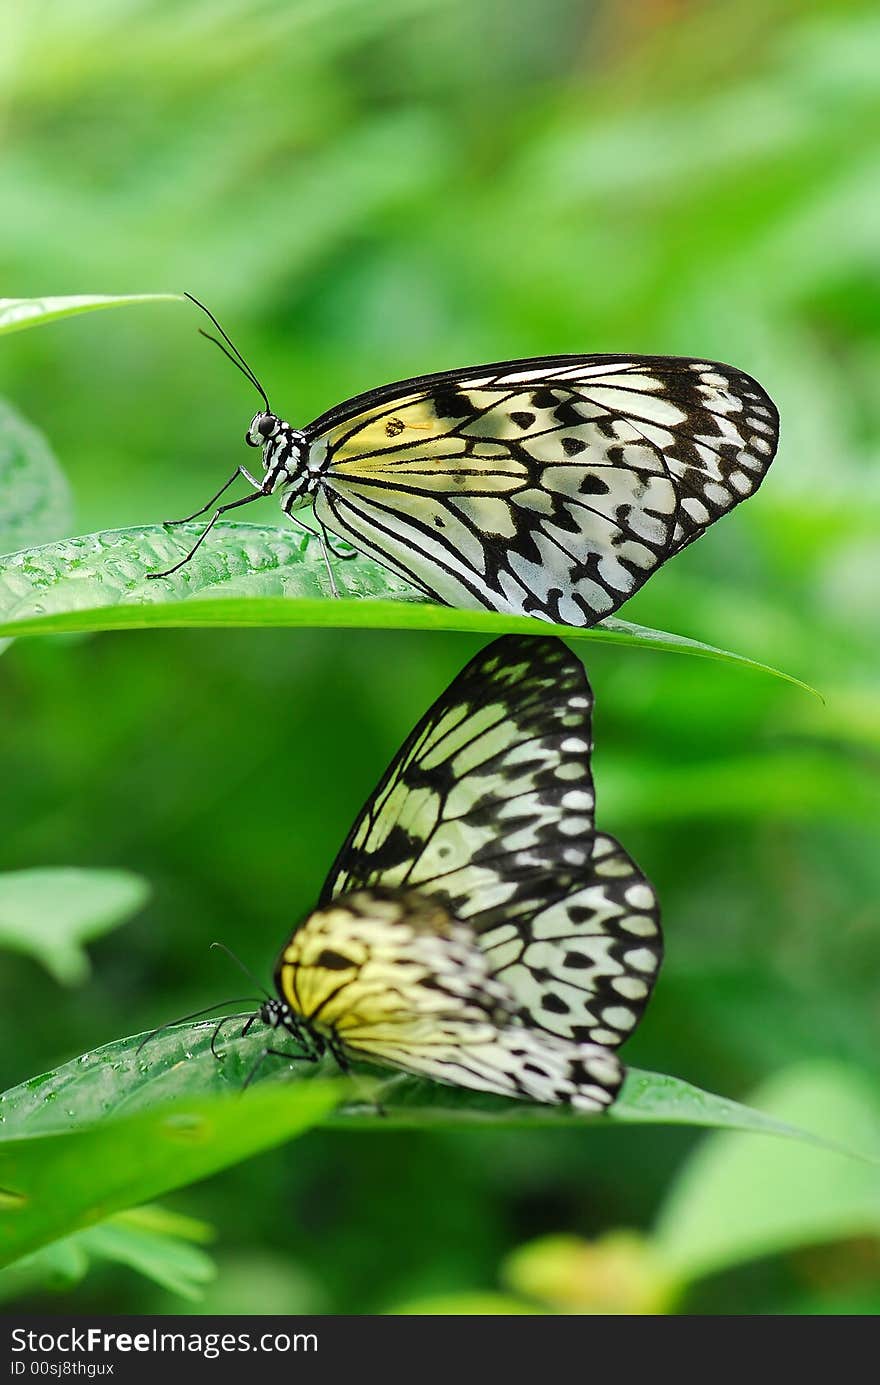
x=261, y=429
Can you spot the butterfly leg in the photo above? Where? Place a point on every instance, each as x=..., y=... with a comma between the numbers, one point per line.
x=334, y=590
x=239, y=471
x=276, y=1053
x=215, y=1036
x=345, y=553
x=345, y=1068
x=327, y=548
x=222, y=510
x=322, y=540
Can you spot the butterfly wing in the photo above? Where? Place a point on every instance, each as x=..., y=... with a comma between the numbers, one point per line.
x=488, y=805
x=488, y=809
x=552, y=487
x=389, y=976
x=511, y=1061
x=582, y=967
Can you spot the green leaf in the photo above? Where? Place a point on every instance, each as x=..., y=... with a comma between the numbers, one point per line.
x=35, y=499
x=48, y=914
x=736, y=1200
x=18, y=313
x=54, y=1184
x=647, y=1098
x=134, y=1119
x=139, y=1073
x=251, y=575
x=51, y=1269
x=154, y=1242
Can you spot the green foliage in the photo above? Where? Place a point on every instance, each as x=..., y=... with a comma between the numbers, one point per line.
x=140, y=1073
x=114, y=1164
x=48, y=914
x=784, y=1198
x=145, y=1115
x=249, y=575
x=151, y=1240
x=478, y=1305
x=416, y=185
x=18, y=313
x=261, y=1282
x=783, y=1201
x=35, y=498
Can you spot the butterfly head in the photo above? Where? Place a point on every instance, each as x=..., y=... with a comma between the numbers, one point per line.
x=263, y=428
x=283, y=451
x=277, y=1014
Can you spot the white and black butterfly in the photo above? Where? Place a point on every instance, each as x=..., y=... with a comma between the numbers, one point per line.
x=475, y=927
x=550, y=487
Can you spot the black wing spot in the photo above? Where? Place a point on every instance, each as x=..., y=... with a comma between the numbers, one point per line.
x=397, y=848
x=566, y=414
x=576, y=961
x=333, y=961
x=554, y=1003
x=572, y=446
x=593, y=485
x=577, y=913
x=522, y=418
x=451, y=404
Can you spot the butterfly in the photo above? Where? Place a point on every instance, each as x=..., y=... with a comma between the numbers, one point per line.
x=475, y=928
x=551, y=487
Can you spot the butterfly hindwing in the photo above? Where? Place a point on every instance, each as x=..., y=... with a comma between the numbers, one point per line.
x=583, y=966
x=552, y=487
x=488, y=805
x=508, y=1060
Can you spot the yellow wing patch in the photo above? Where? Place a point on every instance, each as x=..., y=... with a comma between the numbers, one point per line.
x=391, y=976
x=552, y=487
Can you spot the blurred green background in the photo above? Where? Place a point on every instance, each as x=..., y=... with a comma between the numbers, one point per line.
x=367, y=189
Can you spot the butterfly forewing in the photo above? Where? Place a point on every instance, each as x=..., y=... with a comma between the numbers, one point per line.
x=551, y=487
x=488, y=806
x=389, y=975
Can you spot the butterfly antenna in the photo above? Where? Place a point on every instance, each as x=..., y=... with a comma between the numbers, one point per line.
x=236, y=357
x=241, y=966
x=238, y=365
x=197, y=1014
